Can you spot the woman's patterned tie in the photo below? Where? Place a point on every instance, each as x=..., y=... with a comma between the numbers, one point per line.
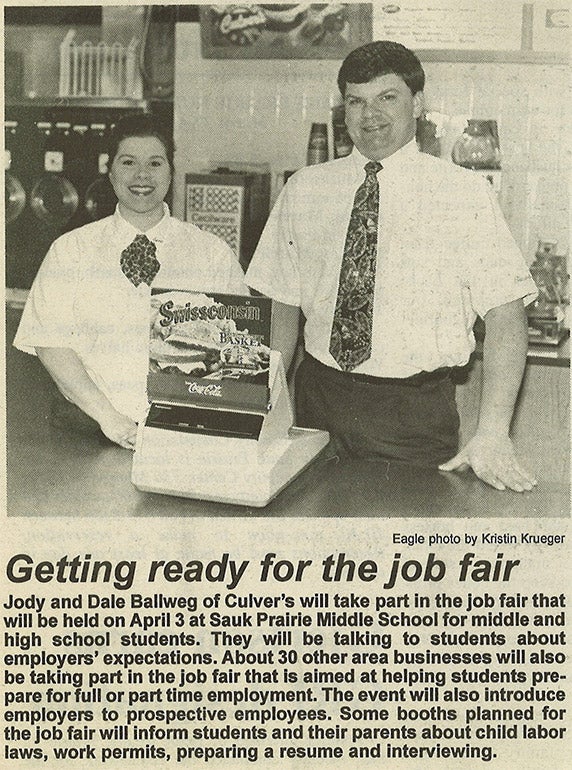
x=350, y=341
x=138, y=261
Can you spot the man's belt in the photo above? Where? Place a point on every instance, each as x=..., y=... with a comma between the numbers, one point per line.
x=414, y=381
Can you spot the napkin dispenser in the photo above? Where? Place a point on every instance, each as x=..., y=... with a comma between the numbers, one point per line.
x=230, y=455
x=205, y=422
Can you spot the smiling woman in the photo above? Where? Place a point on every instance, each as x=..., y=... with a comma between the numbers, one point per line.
x=140, y=170
x=87, y=315
x=141, y=176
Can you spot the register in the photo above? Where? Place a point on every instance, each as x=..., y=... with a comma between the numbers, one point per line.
x=220, y=424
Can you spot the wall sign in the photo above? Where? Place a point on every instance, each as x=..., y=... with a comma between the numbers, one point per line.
x=450, y=24
x=477, y=30
x=284, y=31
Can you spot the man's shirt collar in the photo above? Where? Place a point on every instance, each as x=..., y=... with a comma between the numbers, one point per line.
x=395, y=161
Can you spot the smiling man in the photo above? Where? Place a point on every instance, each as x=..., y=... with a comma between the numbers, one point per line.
x=391, y=255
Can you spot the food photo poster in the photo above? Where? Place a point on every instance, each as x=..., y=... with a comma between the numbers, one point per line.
x=231, y=593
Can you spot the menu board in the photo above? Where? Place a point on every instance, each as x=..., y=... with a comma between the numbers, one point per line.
x=209, y=349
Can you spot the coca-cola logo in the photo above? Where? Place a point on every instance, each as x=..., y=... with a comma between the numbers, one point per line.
x=211, y=389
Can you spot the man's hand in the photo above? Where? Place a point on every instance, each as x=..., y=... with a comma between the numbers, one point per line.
x=490, y=452
x=493, y=460
x=119, y=429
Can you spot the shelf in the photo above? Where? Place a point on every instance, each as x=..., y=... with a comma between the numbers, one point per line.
x=488, y=57
x=553, y=355
x=98, y=102
x=557, y=355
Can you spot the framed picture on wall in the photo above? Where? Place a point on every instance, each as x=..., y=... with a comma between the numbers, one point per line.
x=284, y=31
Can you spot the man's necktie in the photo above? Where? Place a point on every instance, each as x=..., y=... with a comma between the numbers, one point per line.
x=138, y=261
x=350, y=342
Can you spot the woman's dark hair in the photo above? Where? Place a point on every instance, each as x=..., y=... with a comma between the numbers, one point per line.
x=380, y=58
x=139, y=125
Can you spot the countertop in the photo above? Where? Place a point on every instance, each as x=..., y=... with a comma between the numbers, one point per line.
x=53, y=473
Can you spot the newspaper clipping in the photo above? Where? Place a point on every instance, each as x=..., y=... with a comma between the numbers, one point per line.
x=364, y=643
x=233, y=594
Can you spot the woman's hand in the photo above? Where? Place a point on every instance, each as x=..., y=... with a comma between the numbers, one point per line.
x=70, y=376
x=120, y=429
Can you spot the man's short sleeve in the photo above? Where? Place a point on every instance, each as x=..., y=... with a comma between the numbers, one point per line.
x=274, y=269
x=495, y=268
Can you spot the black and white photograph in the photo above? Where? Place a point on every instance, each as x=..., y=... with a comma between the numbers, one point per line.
x=478, y=393
x=287, y=385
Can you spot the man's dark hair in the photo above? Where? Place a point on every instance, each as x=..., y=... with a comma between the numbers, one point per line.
x=381, y=58
x=139, y=125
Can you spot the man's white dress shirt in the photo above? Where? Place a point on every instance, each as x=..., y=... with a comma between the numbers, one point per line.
x=445, y=255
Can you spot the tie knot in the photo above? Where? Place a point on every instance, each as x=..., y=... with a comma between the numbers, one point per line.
x=372, y=167
x=141, y=240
